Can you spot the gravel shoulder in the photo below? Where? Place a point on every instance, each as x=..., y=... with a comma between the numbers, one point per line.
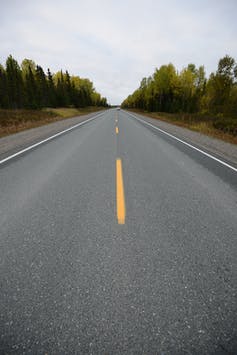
x=15, y=142
x=218, y=148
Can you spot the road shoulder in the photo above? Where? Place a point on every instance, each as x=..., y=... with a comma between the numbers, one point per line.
x=13, y=143
x=217, y=147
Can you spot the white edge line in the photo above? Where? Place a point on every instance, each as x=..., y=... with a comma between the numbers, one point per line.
x=180, y=140
x=47, y=139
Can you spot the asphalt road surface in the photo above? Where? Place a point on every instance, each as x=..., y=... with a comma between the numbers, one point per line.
x=117, y=239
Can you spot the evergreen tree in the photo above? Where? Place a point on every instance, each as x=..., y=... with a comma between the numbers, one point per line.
x=30, y=90
x=4, y=101
x=61, y=90
x=68, y=88
x=51, y=91
x=14, y=83
x=28, y=86
x=42, y=87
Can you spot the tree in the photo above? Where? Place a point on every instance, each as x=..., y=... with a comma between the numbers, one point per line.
x=165, y=85
x=30, y=90
x=221, y=85
x=227, y=68
x=51, y=91
x=26, y=65
x=59, y=85
x=170, y=91
x=14, y=83
x=188, y=80
x=42, y=87
x=4, y=101
x=28, y=86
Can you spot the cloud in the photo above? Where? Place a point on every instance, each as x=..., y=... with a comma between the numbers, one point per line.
x=115, y=44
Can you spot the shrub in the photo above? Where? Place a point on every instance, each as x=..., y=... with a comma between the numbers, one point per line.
x=227, y=125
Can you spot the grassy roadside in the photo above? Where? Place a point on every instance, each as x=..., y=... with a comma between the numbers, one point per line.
x=13, y=121
x=194, y=122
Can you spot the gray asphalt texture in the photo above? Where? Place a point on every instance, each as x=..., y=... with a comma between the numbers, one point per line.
x=13, y=143
x=73, y=281
x=217, y=147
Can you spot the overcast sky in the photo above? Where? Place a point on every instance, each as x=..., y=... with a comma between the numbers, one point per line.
x=116, y=43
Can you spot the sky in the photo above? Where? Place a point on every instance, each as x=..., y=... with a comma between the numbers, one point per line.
x=118, y=42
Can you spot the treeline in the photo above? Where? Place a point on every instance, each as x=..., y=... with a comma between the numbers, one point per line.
x=189, y=91
x=28, y=86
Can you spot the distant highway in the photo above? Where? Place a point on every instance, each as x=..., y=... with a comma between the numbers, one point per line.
x=117, y=238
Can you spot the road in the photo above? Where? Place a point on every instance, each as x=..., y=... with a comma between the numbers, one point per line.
x=117, y=239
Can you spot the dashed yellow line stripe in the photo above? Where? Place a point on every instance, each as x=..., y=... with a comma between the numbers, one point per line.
x=120, y=199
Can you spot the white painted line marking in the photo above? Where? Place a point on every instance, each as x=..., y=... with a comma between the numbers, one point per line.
x=48, y=139
x=189, y=145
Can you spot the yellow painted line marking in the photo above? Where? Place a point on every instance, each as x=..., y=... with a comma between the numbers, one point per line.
x=117, y=130
x=121, y=210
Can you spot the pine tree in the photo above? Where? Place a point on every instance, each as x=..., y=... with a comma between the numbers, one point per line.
x=14, y=83
x=62, y=99
x=4, y=101
x=68, y=89
x=51, y=90
x=42, y=87
x=28, y=86
x=30, y=89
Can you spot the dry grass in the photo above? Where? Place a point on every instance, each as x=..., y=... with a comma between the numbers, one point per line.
x=66, y=112
x=194, y=122
x=13, y=121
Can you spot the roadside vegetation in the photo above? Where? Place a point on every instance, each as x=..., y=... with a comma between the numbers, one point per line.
x=188, y=98
x=13, y=121
x=30, y=98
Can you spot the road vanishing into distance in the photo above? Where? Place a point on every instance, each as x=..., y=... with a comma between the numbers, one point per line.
x=116, y=238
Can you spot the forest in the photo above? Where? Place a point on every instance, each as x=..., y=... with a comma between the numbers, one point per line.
x=27, y=86
x=190, y=91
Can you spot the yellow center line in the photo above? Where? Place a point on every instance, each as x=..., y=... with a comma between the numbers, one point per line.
x=121, y=210
x=117, y=130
